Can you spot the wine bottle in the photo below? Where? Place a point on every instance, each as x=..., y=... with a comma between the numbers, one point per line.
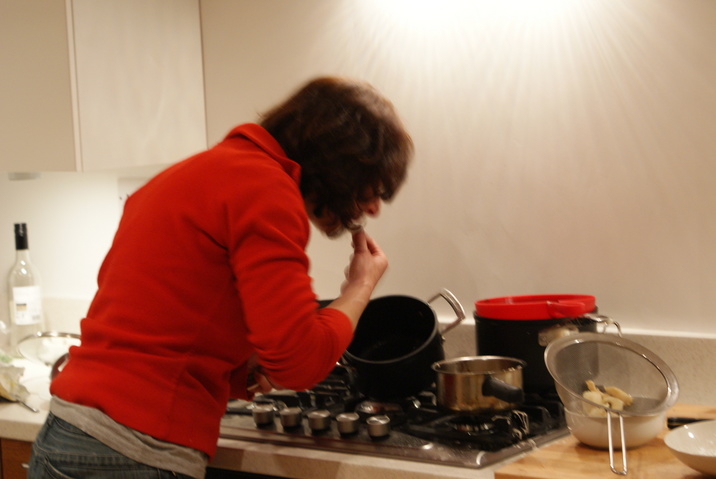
x=24, y=292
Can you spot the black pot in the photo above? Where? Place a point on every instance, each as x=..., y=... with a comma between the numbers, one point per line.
x=395, y=345
x=522, y=327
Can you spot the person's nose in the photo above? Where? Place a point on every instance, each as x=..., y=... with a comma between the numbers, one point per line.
x=371, y=207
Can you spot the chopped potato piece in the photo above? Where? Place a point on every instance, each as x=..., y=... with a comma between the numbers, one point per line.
x=595, y=411
x=612, y=397
x=618, y=393
x=594, y=396
x=614, y=403
x=592, y=387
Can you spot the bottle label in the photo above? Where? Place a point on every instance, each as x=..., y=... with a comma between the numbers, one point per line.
x=26, y=305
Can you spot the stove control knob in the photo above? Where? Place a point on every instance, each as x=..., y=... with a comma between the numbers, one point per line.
x=378, y=426
x=262, y=414
x=290, y=417
x=348, y=423
x=319, y=420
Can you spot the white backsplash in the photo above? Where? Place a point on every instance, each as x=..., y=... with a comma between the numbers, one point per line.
x=64, y=315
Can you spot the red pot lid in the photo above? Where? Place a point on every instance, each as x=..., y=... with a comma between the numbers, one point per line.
x=535, y=307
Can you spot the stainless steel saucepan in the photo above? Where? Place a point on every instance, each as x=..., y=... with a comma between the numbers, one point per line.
x=475, y=384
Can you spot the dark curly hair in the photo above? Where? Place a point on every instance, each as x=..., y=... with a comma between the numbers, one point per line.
x=349, y=141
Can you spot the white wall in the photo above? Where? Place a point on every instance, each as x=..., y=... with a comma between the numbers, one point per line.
x=71, y=219
x=567, y=149
x=562, y=146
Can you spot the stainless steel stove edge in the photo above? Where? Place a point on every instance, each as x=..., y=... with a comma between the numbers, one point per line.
x=424, y=451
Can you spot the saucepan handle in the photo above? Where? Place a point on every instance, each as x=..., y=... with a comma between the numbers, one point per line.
x=454, y=303
x=501, y=390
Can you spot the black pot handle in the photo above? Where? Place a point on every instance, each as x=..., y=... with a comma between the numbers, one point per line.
x=502, y=390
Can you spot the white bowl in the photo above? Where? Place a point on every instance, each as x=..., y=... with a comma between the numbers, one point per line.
x=695, y=445
x=592, y=431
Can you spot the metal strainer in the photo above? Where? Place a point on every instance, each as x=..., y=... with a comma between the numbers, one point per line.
x=610, y=360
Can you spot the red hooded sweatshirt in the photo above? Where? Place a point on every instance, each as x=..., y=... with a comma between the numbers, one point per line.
x=208, y=266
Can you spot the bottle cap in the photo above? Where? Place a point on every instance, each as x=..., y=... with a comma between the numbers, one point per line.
x=20, y=236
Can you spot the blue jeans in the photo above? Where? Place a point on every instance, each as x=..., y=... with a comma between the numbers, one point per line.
x=62, y=451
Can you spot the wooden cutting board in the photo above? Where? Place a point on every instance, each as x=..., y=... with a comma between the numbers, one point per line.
x=567, y=458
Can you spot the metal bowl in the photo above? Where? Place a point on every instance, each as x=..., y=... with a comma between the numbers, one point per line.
x=47, y=347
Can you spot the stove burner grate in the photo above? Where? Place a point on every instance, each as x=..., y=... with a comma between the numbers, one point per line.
x=489, y=433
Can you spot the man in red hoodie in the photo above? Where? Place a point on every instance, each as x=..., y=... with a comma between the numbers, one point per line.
x=205, y=293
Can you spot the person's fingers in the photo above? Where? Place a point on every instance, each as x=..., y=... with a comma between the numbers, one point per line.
x=360, y=241
x=372, y=246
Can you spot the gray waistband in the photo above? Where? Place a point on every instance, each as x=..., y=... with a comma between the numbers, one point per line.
x=133, y=444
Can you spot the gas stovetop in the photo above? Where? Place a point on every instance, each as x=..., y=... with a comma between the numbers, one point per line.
x=332, y=417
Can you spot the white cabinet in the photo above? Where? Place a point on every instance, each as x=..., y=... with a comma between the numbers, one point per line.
x=92, y=85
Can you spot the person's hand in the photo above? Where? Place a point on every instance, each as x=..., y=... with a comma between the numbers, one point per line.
x=367, y=265
x=258, y=381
